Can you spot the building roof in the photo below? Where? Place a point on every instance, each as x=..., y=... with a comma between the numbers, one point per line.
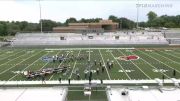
x=144, y=94
x=101, y=22
x=33, y=94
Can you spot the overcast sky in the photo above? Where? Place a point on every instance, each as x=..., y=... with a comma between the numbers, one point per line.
x=60, y=10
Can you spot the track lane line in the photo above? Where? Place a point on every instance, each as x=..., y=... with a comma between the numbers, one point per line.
x=137, y=66
x=121, y=66
x=104, y=64
x=74, y=65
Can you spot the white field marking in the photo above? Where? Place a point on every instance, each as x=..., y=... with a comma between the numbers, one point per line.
x=8, y=52
x=45, y=64
x=151, y=65
x=104, y=65
x=18, y=63
x=28, y=66
x=108, y=50
x=69, y=51
x=159, y=70
x=3, y=53
x=127, y=70
x=159, y=61
x=13, y=59
x=82, y=48
x=48, y=62
x=89, y=51
x=59, y=66
x=121, y=66
x=10, y=55
x=89, y=55
x=176, y=52
x=74, y=66
x=137, y=67
x=172, y=55
x=167, y=58
x=50, y=51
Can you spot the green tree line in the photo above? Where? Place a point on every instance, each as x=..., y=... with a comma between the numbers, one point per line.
x=11, y=28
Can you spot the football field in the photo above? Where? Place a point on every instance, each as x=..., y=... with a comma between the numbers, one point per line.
x=150, y=63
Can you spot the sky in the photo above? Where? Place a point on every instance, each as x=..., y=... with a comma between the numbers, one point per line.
x=60, y=10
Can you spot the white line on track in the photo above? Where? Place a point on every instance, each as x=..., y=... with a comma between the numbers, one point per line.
x=89, y=54
x=48, y=62
x=74, y=65
x=58, y=66
x=3, y=53
x=151, y=65
x=159, y=61
x=137, y=66
x=82, y=48
x=8, y=62
x=20, y=62
x=121, y=66
x=104, y=64
x=176, y=52
x=28, y=66
x=172, y=55
x=10, y=55
x=168, y=58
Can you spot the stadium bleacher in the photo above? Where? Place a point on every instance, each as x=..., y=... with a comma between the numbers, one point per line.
x=110, y=38
x=173, y=38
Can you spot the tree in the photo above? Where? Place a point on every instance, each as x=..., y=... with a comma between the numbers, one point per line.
x=142, y=24
x=126, y=23
x=70, y=20
x=23, y=25
x=157, y=22
x=1, y=29
x=151, y=16
x=169, y=25
x=113, y=18
x=48, y=25
x=12, y=28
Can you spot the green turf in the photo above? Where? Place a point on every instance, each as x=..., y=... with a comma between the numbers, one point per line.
x=77, y=94
x=144, y=68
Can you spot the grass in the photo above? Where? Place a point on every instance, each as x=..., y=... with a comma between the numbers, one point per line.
x=150, y=65
x=77, y=94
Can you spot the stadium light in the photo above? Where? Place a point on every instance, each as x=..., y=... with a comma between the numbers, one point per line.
x=137, y=5
x=40, y=14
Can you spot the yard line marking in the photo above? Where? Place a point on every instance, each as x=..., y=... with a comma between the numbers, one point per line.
x=18, y=63
x=89, y=54
x=152, y=65
x=104, y=64
x=159, y=61
x=171, y=55
x=13, y=59
x=82, y=48
x=167, y=58
x=120, y=66
x=74, y=65
x=176, y=52
x=3, y=53
x=11, y=55
x=28, y=66
x=9, y=61
x=48, y=61
x=59, y=66
x=137, y=66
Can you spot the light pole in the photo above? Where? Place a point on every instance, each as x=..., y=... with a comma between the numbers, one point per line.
x=40, y=14
x=137, y=14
